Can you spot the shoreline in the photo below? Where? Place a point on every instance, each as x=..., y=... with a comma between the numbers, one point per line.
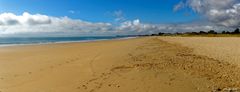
x=63, y=42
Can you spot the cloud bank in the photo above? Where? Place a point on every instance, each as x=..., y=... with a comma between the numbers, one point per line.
x=37, y=24
x=43, y=25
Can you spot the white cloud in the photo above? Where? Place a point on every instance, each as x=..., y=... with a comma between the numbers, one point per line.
x=179, y=6
x=11, y=24
x=8, y=19
x=221, y=12
x=136, y=27
x=119, y=15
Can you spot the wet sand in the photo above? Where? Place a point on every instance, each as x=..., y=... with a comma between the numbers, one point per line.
x=148, y=64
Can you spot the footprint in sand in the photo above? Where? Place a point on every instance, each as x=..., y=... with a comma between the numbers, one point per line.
x=78, y=87
x=51, y=66
x=114, y=85
x=172, y=79
x=29, y=72
x=84, y=86
x=16, y=75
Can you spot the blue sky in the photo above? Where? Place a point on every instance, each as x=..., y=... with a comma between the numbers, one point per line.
x=115, y=17
x=148, y=11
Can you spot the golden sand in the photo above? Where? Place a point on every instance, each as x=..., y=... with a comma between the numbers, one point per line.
x=150, y=64
x=222, y=48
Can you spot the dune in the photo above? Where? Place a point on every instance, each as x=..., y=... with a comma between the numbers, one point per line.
x=145, y=64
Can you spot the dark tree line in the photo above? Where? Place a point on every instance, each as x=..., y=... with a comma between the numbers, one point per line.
x=236, y=31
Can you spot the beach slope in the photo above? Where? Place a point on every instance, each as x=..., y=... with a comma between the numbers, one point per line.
x=146, y=64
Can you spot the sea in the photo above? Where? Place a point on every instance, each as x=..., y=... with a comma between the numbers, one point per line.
x=13, y=41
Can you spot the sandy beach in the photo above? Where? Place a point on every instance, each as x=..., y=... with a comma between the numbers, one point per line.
x=146, y=64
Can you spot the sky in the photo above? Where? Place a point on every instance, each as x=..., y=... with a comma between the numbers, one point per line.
x=115, y=17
